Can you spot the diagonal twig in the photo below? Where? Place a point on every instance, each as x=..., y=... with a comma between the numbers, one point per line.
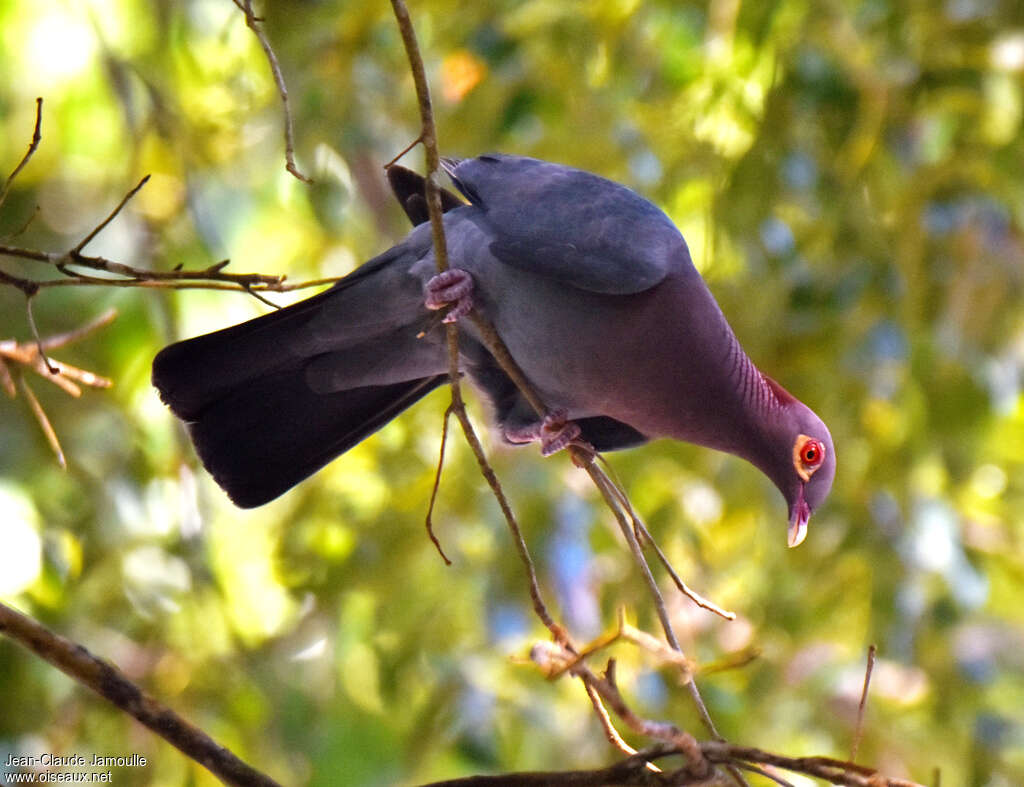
x=44, y=422
x=37, y=135
x=16, y=358
x=429, y=522
x=75, y=252
x=35, y=333
x=59, y=340
x=644, y=535
x=859, y=729
x=109, y=682
x=253, y=23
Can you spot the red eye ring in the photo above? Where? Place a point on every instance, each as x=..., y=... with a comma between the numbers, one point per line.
x=812, y=453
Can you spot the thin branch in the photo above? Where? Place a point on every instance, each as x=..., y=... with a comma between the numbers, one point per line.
x=536, y=597
x=75, y=252
x=667, y=732
x=859, y=729
x=499, y=350
x=212, y=277
x=566, y=662
x=611, y=493
x=37, y=135
x=765, y=773
x=428, y=136
x=643, y=533
x=631, y=770
x=44, y=422
x=59, y=340
x=16, y=357
x=681, y=586
x=121, y=275
x=7, y=379
x=403, y=151
x=109, y=682
x=841, y=772
x=260, y=298
x=429, y=522
x=609, y=729
x=253, y=23
x=35, y=334
x=27, y=286
x=607, y=489
x=24, y=225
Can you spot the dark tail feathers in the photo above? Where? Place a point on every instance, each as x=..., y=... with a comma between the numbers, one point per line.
x=272, y=432
x=257, y=425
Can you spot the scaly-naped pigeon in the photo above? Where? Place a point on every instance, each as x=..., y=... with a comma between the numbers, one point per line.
x=592, y=289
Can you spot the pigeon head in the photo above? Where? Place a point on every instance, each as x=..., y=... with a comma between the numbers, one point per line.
x=801, y=459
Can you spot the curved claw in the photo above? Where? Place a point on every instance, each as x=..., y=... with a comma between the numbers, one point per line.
x=554, y=433
x=557, y=433
x=451, y=288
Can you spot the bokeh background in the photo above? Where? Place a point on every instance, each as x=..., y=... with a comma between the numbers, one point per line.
x=850, y=179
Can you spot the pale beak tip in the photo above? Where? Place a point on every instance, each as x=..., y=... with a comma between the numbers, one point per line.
x=797, y=532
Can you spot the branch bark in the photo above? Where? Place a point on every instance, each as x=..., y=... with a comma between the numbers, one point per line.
x=109, y=682
x=253, y=22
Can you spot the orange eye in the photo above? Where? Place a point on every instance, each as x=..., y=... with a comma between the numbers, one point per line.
x=808, y=454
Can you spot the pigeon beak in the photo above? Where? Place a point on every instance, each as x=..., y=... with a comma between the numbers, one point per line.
x=799, y=516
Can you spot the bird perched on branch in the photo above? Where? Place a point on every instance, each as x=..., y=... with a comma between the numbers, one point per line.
x=590, y=286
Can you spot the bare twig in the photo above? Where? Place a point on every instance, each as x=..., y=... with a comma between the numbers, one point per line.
x=566, y=662
x=253, y=23
x=437, y=484
x=59, y=340
x=37, y=135
x=403, y=151
x=69, y=263
x=44, y=422
x=609, y=729
x=631, y=770
x=841, y=772
x=35, y=334
x=642, y=533
x=260, y=298
x=765, y=773
x=610, y=494
x=75, y=252
x=7, y=379
x=859, y=729
x=109, y=682
x=212, y=277
x=682, y=741
x=16, y=358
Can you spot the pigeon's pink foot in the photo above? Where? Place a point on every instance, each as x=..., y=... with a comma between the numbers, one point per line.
x=454, y=288
x=555, y=432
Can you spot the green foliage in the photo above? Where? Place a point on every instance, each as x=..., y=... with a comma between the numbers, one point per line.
x=850, y=178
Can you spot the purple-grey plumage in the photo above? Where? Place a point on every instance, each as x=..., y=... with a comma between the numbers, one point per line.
x=591, y=287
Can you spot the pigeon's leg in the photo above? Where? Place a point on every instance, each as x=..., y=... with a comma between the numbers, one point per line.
x=555, y=432
x=454, y=288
